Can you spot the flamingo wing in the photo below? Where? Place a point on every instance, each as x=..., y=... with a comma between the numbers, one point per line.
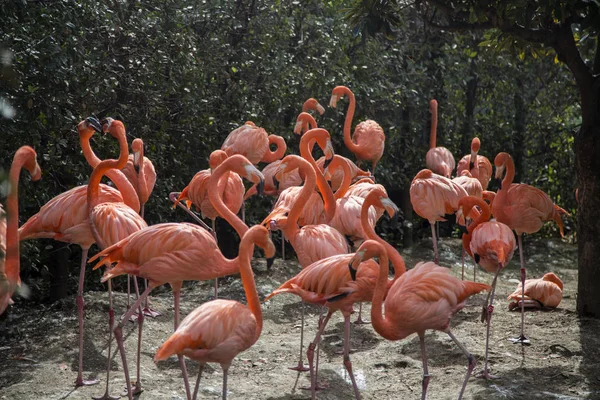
x=440, y=160
x=433, y=196
x=369, y=136
x=248, y=140
x=115, y=221
x=316, y=242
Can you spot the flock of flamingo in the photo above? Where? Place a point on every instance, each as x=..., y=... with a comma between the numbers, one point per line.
x=327, y=210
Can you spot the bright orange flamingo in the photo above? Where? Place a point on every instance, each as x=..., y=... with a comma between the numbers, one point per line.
x=491, y=244
x=171, y=253
x=313, y=104
x=425, y=297
x=524, y=209
x=10, y=262
x=110, y=222
x=219, y=330
x=438, y=159
x=432, y=197
x=253, y=142
x=368, y=141
x=329, y=283
x=65, y=218
x=545, y=292
x=479, y=166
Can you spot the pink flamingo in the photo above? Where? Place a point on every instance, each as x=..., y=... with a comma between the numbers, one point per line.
x=173, y=252
x=491, y=244
x=546, y=292
x=438, y=159
x=479, y=166
x=432, y=197
x=10, y=262
x=219, y=330
x=425, y=297
x=253, y=142
x=65, y=218
x=313, y=104
x=140, y=171
x=368, y=141
x=524, y=209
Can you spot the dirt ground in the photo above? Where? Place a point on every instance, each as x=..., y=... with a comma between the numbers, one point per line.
x=38, y=344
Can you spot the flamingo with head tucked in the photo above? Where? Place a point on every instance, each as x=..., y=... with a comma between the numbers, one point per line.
x=545, y=292
x=438, y=159
x=479, y=166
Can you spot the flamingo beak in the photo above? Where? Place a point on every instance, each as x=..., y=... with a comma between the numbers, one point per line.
x=298, y=127
x=36, y=174
x=94, y=123
x=106, y=122
x=260, y=188
x=275, y=182
x=389, y=206
x=499, y=171
x=333, y=100
x=352, y=270
x=320, y=109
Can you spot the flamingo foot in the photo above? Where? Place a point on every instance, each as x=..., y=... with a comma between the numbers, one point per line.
x=486, y=375
x=149, y=312
x=360, y=321
x=321, y=386
x=86, y=382
x=106, y=396
x=341, y=352
x=521, y=339
x=135, y=390
x=300, y=368
x=486, y=310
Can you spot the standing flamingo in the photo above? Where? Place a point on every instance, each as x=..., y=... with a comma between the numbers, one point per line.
x=432, y=197
x=253, y=142
x=171, y=253
x=524, y=209
x=10, y=261
x=479, y=166
x=438, y=159
x=368, y=141
x=219, y=330
x=546, y=292
x=65, y=218
x=425, y=297
x=491, y=244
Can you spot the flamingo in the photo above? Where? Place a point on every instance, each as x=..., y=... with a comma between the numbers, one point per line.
x=110, y=222
x=368, y=141
x=425, y=297
x=313, y=104
x=253, y=142
x=171, y=253
x=219, y=330
x=546, y=292
x=491, y=244
x=65, y=218
x=524, y=209
x=432, y=197
x=479, y=166
x=438, y=159
x=10, y=267
x=140, y=171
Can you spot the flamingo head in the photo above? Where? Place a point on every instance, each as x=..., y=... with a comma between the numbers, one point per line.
x=137, y=147
x=244, y=168
x=367, y=250
x=313, y=104
x=113, y=126
x=337, y=93
x=88, y=127
x=28, y=158
x=216, y=158
x=261, y=238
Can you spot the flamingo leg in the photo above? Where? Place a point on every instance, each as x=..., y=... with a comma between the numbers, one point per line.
x=128, y=290
x=200, y=369
x=462, y=277
x=138, y=383
x=301, y=367
x=173, y=197
x=359, y=320
x=470, y=358
x=347, y=362
x=435, y=247
x=426, y=376
x=310, y=354
x=214, y=233
x=148, y=311
x=522, y=339
x=282, y=245
x=142, y=210
x=488, y=313
x=111, y=323
x=80, y=381
x=186, y=381
x=225, y=371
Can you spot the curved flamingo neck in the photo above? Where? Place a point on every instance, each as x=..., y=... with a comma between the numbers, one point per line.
x=353, y=147
x=346, y=179
x=291, y=227
x=434, y=123
x=91, y=157
x=271, y=156
x=306, y=153
x=392, y=253
x=501, y=195
x=247, y=276
x=382, y=325
x=483, y=217
x=217, y=201
x=510, y=174
x=142, y=187
x=13, y=263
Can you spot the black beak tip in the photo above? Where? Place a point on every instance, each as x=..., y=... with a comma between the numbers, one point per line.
x=477, y=258
x=499, y=184
x=463, y=229
x=270, y=262
x=94, y=123
x=261, y=187
x=326, y=163
x=276, y=183
x=395, y=219
x=352, y=272
x=471, y=165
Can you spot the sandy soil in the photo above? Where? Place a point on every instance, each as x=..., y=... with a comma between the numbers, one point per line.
x=38, y=345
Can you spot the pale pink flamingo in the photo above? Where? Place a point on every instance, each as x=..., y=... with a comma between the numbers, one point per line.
x=545, y=292
x=368, y=141
x=479, y=166
x=425, y=297
x=219, y=330
x=438, y=159
x=253, y=142
x=432, y=197
x=65, y=218
x=10, y=261
x=171, y=253
x=491, y=244
x=524, y=209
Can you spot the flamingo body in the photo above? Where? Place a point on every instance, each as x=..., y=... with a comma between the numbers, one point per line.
x=440, y=161
x=479, y=166
x=494, y=243
x=433, y=196
x=471, y=184
x=546, y=292
x=253, y=142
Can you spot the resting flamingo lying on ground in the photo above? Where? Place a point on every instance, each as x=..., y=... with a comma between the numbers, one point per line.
x=438, y=159
x=10, y=260
x=368, y=141
x=524, y=209
x=219, y=330
x=546, y=292
x=425, y=297
x=479, y=166
x=491, y=244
